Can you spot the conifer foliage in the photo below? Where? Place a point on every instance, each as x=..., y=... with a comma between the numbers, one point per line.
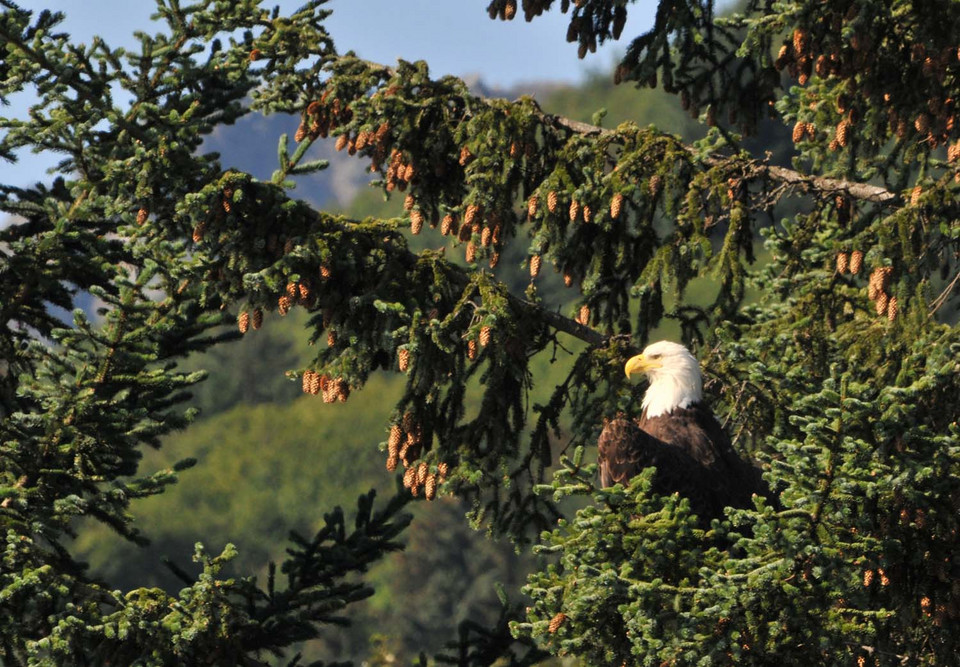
x=840, y=372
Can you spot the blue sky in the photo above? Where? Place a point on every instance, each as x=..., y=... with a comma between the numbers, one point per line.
x=453, y=36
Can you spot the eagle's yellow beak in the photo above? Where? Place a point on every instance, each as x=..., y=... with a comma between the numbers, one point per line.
x=640, y=364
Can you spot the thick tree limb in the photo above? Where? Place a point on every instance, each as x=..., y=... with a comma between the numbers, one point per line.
x=852, y=189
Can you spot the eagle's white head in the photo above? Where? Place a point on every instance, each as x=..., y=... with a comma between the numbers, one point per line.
x=674, y=374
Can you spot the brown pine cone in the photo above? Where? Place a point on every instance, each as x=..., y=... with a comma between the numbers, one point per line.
x=856, y=261
x=142, y=216
x=533, y=205
x=243, y=321
x=422, y=471
x=843, y=262
x=882, y=302
x=552, y=201
x=535, y=263
x=893, y=307
x=485, y=334
x=430, y=487
x=416, y=221
x=283, y=304
x=403, y=359
x=471, y=349
x=556, y=622
x=257, y=319
x=616, y=205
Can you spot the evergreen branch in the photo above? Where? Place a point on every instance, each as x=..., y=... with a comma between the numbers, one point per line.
x=807, y=183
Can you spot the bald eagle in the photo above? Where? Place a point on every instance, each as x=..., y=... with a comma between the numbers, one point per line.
x=677, y=434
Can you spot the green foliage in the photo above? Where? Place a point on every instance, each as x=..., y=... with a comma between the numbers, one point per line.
x=841, y=375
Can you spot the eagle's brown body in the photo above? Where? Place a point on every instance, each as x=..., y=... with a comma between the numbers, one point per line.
x=692, y=454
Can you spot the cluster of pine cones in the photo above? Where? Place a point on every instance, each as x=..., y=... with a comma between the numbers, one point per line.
x=404, y=445
x=877, y=286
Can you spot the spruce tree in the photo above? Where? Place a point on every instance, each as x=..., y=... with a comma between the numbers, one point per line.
x=831, y=344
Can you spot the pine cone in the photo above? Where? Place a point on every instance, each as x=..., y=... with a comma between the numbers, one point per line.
x=465, y=156
x=392, y=463
x=393, y=442
x=422, y=471
x=616, y=205
x=922, y=123
x=843, y=261
x=288, y=246
x=326, y=389
x=341, y=389
x=485, y=333
x=587, y=213
x=556, y=622
x=552, y=201
x=882, y=302
x=283, y=305
x=362, y=140
x=533, y=205
x=843, y=133
x=410, y=478
x=783, y=57
x=494, y=259
x=471, y=214
x=471, y=252
x=301, y=132
x=583, y=317
x=471, y=349
x=198, y=231
x=408, y=202
x=416, y=221
x=403, y=359
x=142, y=216
x=243, y=321
x=884, y=579
x=799, y=131
x=867, y=578
x=257, y=319
x=893, y=307
x=485, y=237
x=442, y=470
x=535, y=263
x=341, y=142
x=655, y=182
x=915, y=195
x=430, y=487
x=305, y=381
x=801, y=40
x=292, y=290
x=303, y=292
x=574, y=210
x=567, y=279
x=314, y=387
x=448, y=225
x=856, y=261
x=331, y=338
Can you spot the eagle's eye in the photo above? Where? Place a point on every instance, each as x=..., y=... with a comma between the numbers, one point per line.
x=654, y=356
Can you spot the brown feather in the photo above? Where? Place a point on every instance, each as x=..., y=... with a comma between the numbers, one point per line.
x=692, y=454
